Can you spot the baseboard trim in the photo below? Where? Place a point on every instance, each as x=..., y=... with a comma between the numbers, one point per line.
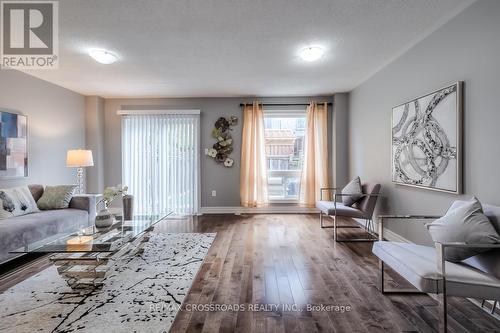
x=388, y=234
x=219, y=210
x=394, y=237
x=258, y=210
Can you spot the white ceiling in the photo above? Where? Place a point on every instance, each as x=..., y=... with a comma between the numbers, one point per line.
x=180, y=48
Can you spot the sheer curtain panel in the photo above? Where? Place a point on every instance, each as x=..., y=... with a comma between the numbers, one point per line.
x=160, y=162
x=315, y=169
x=253, y=173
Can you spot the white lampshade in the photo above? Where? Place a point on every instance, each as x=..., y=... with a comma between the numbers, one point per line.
x=79, y=158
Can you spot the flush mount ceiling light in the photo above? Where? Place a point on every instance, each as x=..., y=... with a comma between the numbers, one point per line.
x=311, y=53
x=103, y=56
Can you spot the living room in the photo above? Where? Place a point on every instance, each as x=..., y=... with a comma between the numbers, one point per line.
x=280, y=166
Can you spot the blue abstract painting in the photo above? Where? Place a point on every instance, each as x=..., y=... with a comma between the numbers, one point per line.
x=13, y=145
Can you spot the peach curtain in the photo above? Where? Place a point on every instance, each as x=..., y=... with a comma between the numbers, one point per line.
x=315, y=168
x=253, y=178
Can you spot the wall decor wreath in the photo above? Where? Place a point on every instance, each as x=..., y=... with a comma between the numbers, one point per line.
x=221, y=150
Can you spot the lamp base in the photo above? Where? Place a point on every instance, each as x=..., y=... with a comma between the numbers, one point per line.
x=79, y=175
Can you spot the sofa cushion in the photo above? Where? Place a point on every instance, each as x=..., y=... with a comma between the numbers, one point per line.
x=368, y=202
x=488, y=262
x=354, y=190
x=328, y=207
x=17, y=231
x=16, y=201
x=36, y=191
x=418, y=265
x=56, y=197
x=491, y=212
x=465, y=223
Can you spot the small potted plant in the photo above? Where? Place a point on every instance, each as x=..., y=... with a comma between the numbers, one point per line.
x=104, y=218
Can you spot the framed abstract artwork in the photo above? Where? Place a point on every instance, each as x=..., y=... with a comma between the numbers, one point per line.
x=427, y=141
x=13, y=145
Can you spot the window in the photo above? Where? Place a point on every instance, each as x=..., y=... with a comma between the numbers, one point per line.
x=160, y=157
x=284, y=134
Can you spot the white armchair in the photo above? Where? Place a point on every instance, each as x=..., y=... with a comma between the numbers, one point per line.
x=427, y=270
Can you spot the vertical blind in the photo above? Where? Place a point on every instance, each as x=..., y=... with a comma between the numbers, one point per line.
x=160, y=157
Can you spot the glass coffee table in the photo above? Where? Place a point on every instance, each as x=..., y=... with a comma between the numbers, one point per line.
x=82, y=258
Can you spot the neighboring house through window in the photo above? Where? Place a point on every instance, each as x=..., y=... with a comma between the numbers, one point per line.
x=284, y=134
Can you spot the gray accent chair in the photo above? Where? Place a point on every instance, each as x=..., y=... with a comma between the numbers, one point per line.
x=426, y=269
x=16, y=232
x=363, y=209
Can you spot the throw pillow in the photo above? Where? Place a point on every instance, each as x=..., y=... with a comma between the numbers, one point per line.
x=16, y=201
x=354, y=189
x=464, y=224
x=56, y=197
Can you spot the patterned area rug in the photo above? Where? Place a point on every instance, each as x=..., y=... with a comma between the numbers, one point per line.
x=141, y=293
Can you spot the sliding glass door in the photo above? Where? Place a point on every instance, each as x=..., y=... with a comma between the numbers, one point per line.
x=160, y=159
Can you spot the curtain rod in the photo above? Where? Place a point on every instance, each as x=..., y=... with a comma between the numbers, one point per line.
x=284, y=104
x=157, y=112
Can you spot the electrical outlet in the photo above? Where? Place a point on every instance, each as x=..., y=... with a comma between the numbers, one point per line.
x=214, y=193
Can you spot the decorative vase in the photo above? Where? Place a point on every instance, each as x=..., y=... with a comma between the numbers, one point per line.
x=104, y=219
x=128, y=207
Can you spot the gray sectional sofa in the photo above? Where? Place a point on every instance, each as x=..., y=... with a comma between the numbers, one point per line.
x=16, y=232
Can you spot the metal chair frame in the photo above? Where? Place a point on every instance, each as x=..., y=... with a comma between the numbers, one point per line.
x=368, y=226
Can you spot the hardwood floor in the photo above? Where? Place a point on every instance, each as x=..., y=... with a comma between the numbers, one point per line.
x=288, y=259
x=275, y=261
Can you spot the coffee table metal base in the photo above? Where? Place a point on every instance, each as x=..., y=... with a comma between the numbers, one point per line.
x=87, y=271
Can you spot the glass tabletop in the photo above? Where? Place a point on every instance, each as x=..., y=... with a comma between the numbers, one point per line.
x=91, y=239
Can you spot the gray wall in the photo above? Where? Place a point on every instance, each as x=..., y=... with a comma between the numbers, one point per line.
x=94, y=134
x=339, y=160
x=56, y=123
x=213, y=176
x=466, y=48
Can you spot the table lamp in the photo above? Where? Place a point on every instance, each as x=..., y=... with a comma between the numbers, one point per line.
x=79, y=159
